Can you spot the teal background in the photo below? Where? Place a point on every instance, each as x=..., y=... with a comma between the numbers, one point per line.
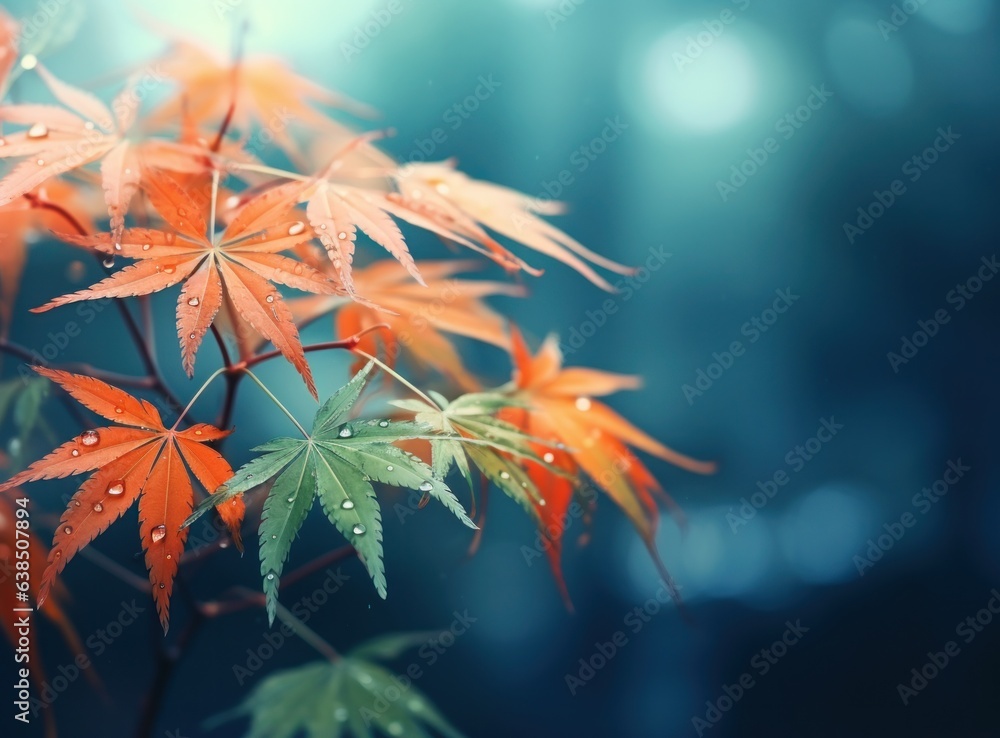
x=690, y=119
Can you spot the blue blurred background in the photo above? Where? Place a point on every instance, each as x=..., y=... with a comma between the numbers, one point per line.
x=836, y=160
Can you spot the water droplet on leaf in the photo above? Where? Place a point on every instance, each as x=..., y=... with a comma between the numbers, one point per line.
x=347, y=505
x=116, y=488
x=158, y=533
x=359, y=529
x=90, y=438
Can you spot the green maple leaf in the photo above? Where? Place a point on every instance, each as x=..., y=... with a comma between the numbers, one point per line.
x=337, y=463
x=21, y=402
x=470, y=432
x=347, y=697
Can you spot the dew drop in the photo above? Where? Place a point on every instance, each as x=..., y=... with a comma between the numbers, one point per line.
x=342, y=235
x=541, y=502
x=415, y=705
x=76, y=452
x=322, y=226
x=290, y=500
x=169, y=270
x=583, y=404
x=359, y=529
x=270, y=298
x=169, y=556
x=395, y=728
x=298, y=269
x=39, y=130
x=549, y=457
x=90, y=438
x=340, y=714
x=68, y=530
x=383, y=424
x=145, y=247
x=346, y=432
x=425, y=487
x=29, y=61
x=194, y=302
x=504, y=475
x=89, y=125
x=274, y=537
x=109, y=262
x=347, y=504
x=232, y=201
x=162, y=585
x=270, y=575
x=390, y=467
x=296, y=228
x=200, y=433
x=182, y=212
x=192, y=336
x=116, y=488
x=98, y=507
x=40, y=162
x=118, y=410
x=158, y=533
x=76, y=503
x=118, y=246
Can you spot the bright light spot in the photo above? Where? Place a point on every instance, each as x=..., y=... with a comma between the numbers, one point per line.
x=699, y=81
x=29, y=61
x=958, y=16
x=871, y=72
x=820, y=535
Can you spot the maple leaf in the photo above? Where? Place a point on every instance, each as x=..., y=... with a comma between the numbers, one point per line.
x=343, y=698
x=265, y=90
x=472, y=431
x=337, y=462
x=560, y=409
x=59, y=140
x=20, y=220
x=439, y=197
x=239, y=265
x=417, y=316
x=137, y=459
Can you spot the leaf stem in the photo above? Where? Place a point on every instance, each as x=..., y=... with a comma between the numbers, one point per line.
x=216, y=373
x=398, y=376
x=306, y=633
x=276, y=401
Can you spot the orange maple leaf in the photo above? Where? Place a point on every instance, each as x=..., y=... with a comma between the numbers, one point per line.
x=264, y=89
x=417, y=315
x=594, y=439
x=17, y=220
x=139, y=458
x=240, y=264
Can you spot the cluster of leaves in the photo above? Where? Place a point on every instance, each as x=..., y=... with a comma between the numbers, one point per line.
x=189, y=204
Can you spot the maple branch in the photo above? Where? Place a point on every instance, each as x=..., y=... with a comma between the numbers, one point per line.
x=146, y=353
x=215, y=608
x=348, y=343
